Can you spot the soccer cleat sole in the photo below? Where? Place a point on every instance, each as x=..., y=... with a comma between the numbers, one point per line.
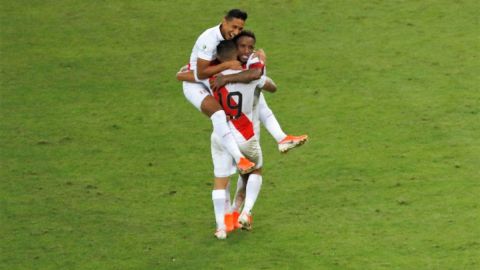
x=246, y=224
x=284, y=148
x=246, y=171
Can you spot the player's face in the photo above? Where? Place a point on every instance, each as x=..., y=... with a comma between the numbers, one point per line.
x=231, y=28
x=245, y=47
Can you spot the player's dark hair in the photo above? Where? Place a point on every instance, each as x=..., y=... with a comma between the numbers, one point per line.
x=236, y=13
x=245, y=33
x=226, y=49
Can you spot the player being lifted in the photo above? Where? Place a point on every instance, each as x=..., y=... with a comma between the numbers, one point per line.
x=203, y=53
x=240, y=102
x=201, y=58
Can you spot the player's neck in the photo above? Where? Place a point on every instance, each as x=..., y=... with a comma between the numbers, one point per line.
x=222, y=31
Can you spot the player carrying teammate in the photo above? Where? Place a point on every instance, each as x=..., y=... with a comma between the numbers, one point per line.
x=240, y=102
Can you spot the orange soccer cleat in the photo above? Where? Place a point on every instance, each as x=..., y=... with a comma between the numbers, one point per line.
x=235, y=216
x=229, y=222
x=291, y=142
x=245, y=166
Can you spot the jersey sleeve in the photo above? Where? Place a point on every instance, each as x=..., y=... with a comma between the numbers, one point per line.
x=255, y=62
x=261, y=82
x=206, y=50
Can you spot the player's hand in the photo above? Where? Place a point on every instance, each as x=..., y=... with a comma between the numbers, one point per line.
x=234, y=64
x=217, y=82
x=260, y=53
x=183, y=69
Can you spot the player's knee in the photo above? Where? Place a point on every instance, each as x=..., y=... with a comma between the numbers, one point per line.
x=257, y=171
x=220, y=182
x=210, y=106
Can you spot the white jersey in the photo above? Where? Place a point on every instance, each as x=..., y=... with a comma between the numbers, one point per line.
x=255, y=62
x=205, y=47
x=240, y=102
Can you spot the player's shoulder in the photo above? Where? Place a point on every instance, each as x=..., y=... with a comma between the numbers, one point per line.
x=210, y=33
x=254, y=62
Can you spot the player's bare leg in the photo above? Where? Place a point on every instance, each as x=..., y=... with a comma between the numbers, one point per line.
x=228, y=210
x=211, y=108
x=238, y=200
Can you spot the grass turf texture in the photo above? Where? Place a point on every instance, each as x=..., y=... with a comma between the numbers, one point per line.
x=105, y=165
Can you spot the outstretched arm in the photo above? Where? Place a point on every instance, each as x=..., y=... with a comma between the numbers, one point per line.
x=205, y=70
x=245, y=76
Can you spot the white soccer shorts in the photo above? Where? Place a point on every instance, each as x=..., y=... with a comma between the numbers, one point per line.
x=195, y=93
x=223, y=163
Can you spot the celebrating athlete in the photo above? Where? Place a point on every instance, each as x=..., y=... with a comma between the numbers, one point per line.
x=240, y=102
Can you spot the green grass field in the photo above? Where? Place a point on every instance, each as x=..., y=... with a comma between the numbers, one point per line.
x=105, y=165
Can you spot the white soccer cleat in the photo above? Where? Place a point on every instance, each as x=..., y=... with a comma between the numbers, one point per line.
x=291, y=142
x=246, y=221
x=221, y=234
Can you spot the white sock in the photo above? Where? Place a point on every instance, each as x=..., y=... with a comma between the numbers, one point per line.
x=227, y=199
x=253, y=189
x=239, y=195
x=269, y=120
x=218, y=198
x=221, y=129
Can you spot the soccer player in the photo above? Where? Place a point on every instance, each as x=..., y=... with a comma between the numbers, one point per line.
x=245, y=42
x=203, y=53
x=268, y=119
x=240, y=102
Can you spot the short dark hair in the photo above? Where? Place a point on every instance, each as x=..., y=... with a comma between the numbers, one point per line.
x=245, y=33
x=225, y=48
x=236, y=13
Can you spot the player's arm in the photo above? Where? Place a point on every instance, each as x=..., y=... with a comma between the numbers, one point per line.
x=185, y=75
x=245, y=76
x=269, y=85
x=260, y=53
x=205, y=70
